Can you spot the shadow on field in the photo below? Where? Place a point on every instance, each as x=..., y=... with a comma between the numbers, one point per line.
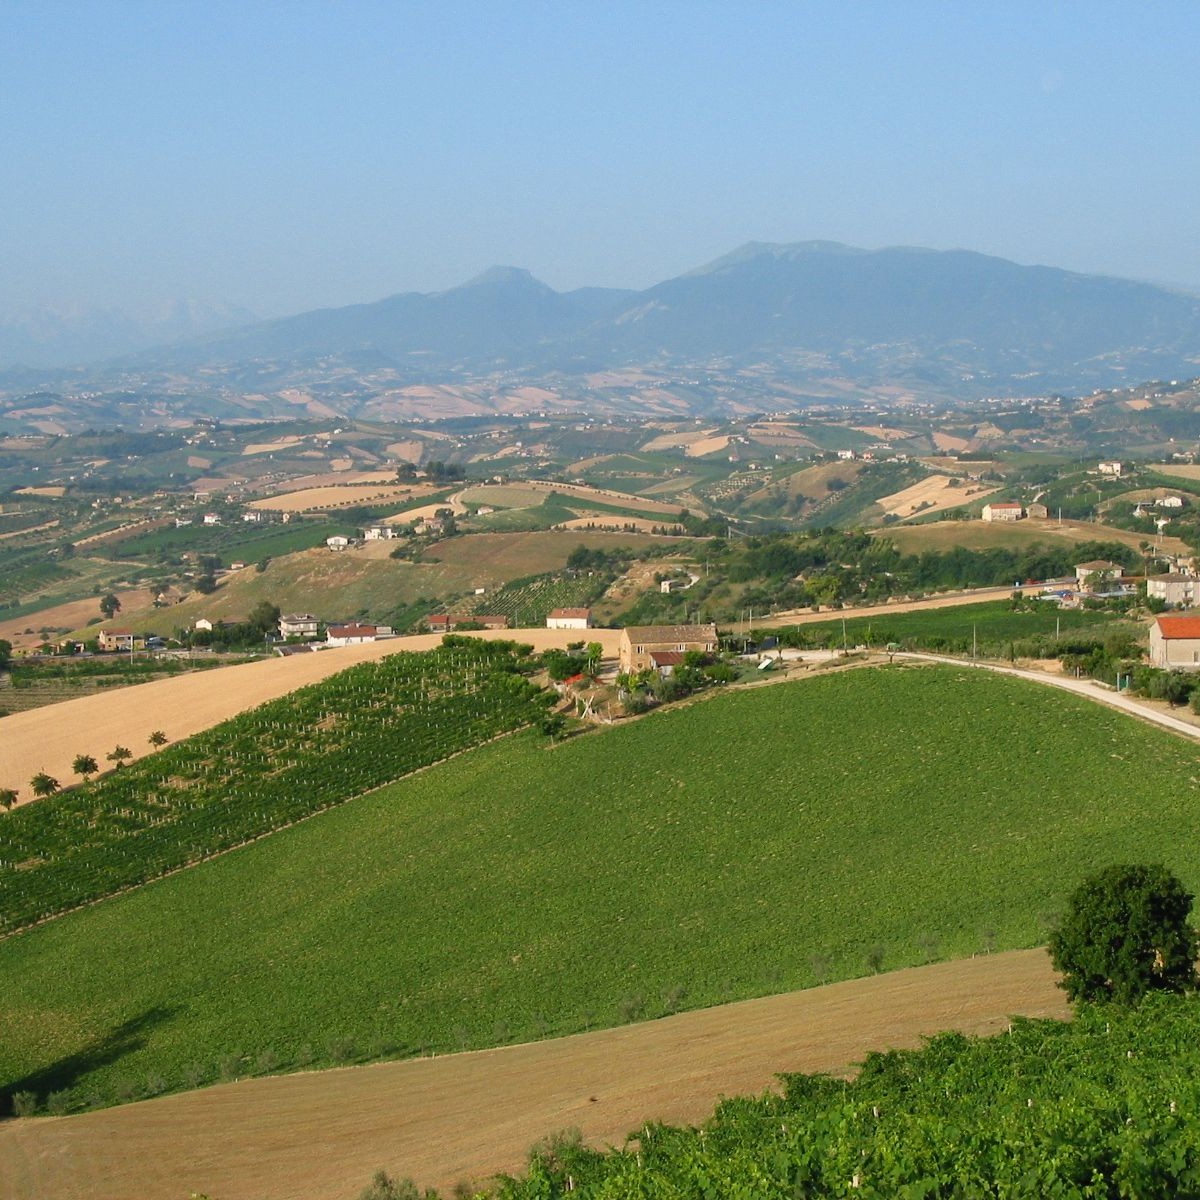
x=124, y=1039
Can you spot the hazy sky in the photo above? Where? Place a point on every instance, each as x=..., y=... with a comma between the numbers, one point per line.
x=294, y=155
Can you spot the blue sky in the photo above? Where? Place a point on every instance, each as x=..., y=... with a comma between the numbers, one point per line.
x=285, y=156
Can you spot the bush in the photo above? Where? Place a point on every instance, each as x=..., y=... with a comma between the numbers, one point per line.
x=1126, y=933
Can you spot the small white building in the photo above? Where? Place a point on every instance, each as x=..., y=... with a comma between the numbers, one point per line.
x=254, y=516
x=337, y=542
x=1003, y=510
x=379, y=533
x=354, y=634
x=1170, y=502
x=203, y=625
x=212, y=518
x=569, y=618
x=1110, y=468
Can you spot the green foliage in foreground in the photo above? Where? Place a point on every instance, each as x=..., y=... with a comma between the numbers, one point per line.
x=264, y=769
x=749, y=843
x=1126, y=933
x=1107, y=1106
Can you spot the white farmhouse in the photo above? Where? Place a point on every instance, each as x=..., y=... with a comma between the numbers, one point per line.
x=569, y=618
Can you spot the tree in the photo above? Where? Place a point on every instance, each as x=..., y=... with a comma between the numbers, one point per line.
x=8, y=797
x=264, y=617
x=1126, y=933
x=5, y=653
x=85, y=765
x=110, y=606
x=157, y=738
x=119, y=755
x=43, y=785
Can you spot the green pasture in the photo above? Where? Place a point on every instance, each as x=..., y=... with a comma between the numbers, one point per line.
x=753, y=842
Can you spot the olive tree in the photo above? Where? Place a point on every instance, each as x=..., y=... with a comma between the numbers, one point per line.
x=1126, y=933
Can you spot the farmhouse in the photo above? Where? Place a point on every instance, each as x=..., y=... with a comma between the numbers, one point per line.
x=1171, y=502
x=569, y=618
x=1037, y=510
x=1003, y=510
x=354, y=634
x=1175, y=589
x=118, y=639
x=1108, y=572
x=639, y=642
x=337, y=542
x=1175, y=643
x=302, y=625
x=665, y=661
x=379, y=533
x=1111, y=468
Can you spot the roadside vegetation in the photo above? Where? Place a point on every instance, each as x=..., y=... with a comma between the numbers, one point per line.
x=750, y=843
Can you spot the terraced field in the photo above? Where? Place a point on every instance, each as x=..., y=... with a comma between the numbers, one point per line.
x=747, y=844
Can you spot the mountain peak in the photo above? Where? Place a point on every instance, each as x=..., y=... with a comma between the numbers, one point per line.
x=506, y=277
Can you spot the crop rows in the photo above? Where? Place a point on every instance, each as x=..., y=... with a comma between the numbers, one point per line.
x=528, y=601
x=1104, y=1106
x=258, y=772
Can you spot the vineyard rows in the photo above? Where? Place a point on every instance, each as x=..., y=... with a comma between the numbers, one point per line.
x=1106, y=1106
x=527, y=601
x=258, y=772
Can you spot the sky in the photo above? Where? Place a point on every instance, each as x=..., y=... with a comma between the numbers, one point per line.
x=288, y=156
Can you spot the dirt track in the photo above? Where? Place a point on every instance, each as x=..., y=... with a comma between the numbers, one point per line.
x=469, y=1116
x=48, y=739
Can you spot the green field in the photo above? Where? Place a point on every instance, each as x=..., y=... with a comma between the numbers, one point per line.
x=749, y=843
x=992, y=626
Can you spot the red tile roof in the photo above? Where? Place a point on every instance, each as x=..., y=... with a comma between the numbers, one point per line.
x=1179, y=627
x=666, y=658
x=570, y=612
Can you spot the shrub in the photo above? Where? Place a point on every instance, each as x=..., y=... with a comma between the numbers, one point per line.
x=1126, y=933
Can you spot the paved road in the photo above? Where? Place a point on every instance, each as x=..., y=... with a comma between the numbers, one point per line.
x=1087, y=688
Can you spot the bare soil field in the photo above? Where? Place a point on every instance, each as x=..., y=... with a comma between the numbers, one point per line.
x=41, y=491
x=946, y=441
x=708, y=445
x=470, y=1116
x=933, y=494
x=73, y=615
x=324, y=498
x=283, y=443
x=48, y=739
x=578, y=491
x=982, y=535
x=1179, y=470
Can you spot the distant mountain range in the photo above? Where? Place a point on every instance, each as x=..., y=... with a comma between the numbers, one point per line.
x=819, y=317
x=47, y=337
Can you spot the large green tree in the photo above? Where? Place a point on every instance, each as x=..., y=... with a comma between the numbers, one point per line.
x=1126, y=933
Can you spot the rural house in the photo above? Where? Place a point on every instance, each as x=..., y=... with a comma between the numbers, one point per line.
x=639, y=642
x=446, y=622
x=1176, y=589
x=1003, y=510
x=118, y=639
x=303, y=625
x=1175, y=643
x=1037, y=510
x=354, y=634
x=337, y=542
x=1109, y=572
x=379, y=533
x=569, y=618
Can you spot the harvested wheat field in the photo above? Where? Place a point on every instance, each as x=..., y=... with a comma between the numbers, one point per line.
x=469, y=1116
x=73, y=614
x=322, y=498
x=48, y=739
x=933, y=494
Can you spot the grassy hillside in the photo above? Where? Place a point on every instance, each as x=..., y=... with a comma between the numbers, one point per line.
x=750, y=843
